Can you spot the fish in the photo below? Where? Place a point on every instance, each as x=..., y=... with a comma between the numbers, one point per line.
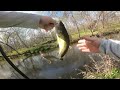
x=63, y=39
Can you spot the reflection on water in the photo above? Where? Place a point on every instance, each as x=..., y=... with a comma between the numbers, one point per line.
x=37, y=67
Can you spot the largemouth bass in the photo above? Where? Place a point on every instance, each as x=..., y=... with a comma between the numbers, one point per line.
x=62, y=38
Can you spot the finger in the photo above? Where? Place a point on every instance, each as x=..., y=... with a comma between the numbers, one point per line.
x=84, y=43
x=81, y=41
x=85, y=50
x=82, y=48
x=81, y=45
x=50, y=21
x=47, y=28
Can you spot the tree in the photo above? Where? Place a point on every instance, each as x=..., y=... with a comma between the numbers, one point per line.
x=75, y=22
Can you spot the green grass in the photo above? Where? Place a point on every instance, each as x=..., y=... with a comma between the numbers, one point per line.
x=43, y=47
x=82, y=33
x=112, y=74
x=115, y=73
x=22, y=50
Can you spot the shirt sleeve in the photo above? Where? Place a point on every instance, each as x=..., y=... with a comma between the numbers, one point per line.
x=110, y=47
x=18, y=19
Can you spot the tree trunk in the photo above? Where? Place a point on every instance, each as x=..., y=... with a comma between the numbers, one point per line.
x=75, y=22
x=103, y=19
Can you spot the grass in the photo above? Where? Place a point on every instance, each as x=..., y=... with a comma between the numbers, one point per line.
x=75, y=36
x=114, y=73
x=107, y=68
x=22, y=50
x=34, y=50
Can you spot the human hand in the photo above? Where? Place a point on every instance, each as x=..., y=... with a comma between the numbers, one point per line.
x=89, y=44
x=47, y=23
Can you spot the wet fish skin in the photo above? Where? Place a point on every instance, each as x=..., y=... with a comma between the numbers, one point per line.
x=62, y=38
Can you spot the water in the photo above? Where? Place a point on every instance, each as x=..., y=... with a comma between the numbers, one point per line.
x=37, y=67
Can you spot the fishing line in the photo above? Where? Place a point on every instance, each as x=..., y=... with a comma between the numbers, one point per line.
x=9, y=61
